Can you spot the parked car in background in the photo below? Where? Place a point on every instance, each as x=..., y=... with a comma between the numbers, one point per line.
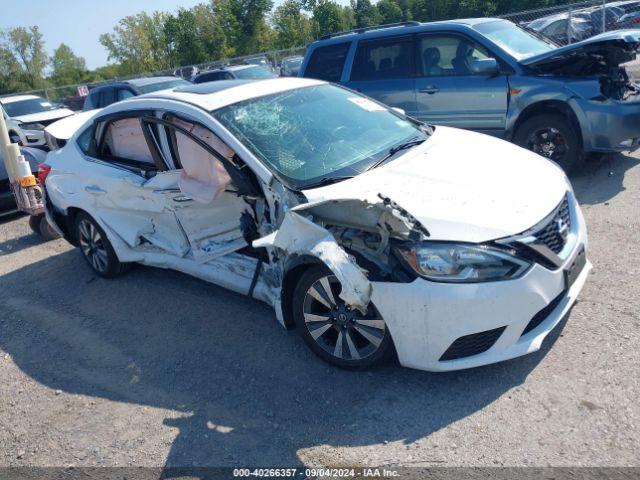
x=260, y=60
x=629, y=20
x=28, y=115
x=563, y=29
x=626, y=5
x=108, y=93
x=595, y=15
x=366, y=229
x=234, y=72
x=492, y=76
x=186, y=72
x=290, y=66
x=7, y=202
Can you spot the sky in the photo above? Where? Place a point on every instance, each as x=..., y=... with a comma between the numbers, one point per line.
x=79, y=23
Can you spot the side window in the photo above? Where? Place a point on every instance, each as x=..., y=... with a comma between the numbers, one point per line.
x=130, y=143
x=204, y=176
x=124, y=93
x=383, y=59
x=442, y=55
x=84, y=140
x=107, y=97
x=326, y=63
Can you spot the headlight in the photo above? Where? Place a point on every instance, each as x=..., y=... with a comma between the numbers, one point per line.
x=32, y=126
x=463, y=263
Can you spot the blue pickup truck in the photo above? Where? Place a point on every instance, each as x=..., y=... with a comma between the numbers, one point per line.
x=493, y=76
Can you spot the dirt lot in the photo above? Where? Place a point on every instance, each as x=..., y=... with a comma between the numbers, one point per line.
x=157, y=368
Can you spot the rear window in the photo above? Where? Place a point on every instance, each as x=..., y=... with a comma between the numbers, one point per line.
x=383, y=59
x=326, y=62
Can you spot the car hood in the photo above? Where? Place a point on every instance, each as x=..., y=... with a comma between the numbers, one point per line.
x=612, y=48
x=65, y=128
x=461, y=186
x=44, y=116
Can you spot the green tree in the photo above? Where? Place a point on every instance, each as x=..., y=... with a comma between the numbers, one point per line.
x=26, y=46
x=66, y=67
x=292, y=27
x=329, y=17
x=365, y=13
x=390, y=11
x=138, y=43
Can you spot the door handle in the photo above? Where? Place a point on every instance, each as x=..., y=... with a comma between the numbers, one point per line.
x=182, y=199
x=95, y=190
x=430, y=89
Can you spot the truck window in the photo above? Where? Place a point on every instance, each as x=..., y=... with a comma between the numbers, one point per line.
x=326, y=63
x=382, y=59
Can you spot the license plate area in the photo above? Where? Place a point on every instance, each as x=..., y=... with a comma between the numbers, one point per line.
x=572, y=272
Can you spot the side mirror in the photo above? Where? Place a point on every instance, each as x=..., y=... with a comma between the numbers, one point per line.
x=399, y=110
x=485, y=66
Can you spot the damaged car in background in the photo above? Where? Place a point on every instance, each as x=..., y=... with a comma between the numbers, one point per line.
x=492, y=76
x=372, y=233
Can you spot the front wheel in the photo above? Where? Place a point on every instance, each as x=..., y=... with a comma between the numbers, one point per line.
x=335, y=332
x=551, y=136
x=96, y=248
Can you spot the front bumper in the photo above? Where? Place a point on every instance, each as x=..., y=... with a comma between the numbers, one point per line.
x=609, y=126
x=425, y=318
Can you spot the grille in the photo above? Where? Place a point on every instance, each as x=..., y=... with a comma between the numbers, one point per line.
x=542, y=315
x=550, y=235
x=472, y=344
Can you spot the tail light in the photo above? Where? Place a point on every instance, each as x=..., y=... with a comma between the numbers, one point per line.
x=43, y=171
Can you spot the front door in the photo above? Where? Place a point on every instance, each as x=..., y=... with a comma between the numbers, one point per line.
x=448, y=93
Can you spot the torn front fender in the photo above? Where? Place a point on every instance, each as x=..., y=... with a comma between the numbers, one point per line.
x=298, y=235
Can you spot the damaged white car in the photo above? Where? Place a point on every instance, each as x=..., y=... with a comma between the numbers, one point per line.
x=367, y=230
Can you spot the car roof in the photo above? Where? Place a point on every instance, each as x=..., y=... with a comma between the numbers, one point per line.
x=19, y=98
x=214, y=95
x=141, y=82
x=403, y=27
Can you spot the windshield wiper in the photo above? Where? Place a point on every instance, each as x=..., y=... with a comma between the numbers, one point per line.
x=412, y=142
x=327, y=181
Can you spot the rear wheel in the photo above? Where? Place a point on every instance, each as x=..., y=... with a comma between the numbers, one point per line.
x=551, y=136
x=335, y=332
x=40, y=225
x=96, y=248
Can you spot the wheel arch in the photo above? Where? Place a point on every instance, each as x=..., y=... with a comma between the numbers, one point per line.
x=294, y=269
x=558, y=107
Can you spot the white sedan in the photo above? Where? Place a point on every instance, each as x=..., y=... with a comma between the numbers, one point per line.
x=363, y=228
x=28, y=115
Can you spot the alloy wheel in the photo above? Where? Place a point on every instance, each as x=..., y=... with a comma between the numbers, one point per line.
x=549, y=143
x=92, y=246
x=341, y=331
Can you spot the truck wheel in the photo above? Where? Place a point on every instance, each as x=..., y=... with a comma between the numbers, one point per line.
x=553, y=137
x=336, y=333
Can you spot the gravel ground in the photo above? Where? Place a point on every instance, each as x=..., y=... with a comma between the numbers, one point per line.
x=157, y=368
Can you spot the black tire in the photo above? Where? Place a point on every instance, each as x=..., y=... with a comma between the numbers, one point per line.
x=552, y=136
x=357, y=351
x=34, y=223
x=46, y=230
x=15, y=138
x=96, y=248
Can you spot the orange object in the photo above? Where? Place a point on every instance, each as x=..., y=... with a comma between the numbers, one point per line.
x=29, y=181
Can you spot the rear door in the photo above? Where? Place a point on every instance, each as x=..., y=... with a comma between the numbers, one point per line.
x=448, y=93
x=126, y=188
x=383, y=68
